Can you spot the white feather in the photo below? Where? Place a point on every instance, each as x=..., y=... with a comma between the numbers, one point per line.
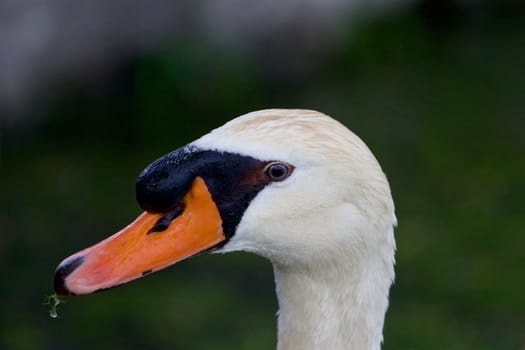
x=327, y=229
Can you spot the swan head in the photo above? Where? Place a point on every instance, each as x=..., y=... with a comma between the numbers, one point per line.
x=294, y=186
x=336, y=201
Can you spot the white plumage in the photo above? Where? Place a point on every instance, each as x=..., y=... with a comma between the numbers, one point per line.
x=328, y=229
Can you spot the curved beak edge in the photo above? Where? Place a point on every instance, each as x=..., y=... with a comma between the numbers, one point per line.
x=136, y=251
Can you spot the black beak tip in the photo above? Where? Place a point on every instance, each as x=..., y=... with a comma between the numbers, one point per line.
x=64, y=270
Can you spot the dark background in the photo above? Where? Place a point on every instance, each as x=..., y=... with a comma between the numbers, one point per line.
x=90, y=97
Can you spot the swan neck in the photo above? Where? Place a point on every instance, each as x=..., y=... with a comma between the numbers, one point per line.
x=331, y=309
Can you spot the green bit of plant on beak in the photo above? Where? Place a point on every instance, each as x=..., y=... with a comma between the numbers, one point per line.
x=54, y=302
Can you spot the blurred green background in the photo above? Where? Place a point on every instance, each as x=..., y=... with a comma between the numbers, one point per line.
x=439, y=97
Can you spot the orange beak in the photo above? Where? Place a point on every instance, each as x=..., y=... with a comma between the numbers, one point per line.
x=138, y=250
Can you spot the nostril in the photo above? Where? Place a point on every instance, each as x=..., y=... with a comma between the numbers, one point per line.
x=64, y=270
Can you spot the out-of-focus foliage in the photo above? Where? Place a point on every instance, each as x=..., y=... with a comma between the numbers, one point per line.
x=45, y=42
x=440, y=104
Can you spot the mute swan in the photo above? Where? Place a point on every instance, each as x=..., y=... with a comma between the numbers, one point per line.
x=294, y=186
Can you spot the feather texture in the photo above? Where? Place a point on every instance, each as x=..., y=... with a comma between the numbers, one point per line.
x=328, y=229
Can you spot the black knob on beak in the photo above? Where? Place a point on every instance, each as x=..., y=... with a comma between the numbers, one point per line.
x=161, y=186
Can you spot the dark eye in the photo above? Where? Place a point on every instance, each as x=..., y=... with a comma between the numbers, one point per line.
x=277, y=171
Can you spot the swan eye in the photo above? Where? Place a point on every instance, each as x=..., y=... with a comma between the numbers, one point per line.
x=277, y=171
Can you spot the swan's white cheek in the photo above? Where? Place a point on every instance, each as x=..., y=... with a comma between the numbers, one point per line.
x=288, y=226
